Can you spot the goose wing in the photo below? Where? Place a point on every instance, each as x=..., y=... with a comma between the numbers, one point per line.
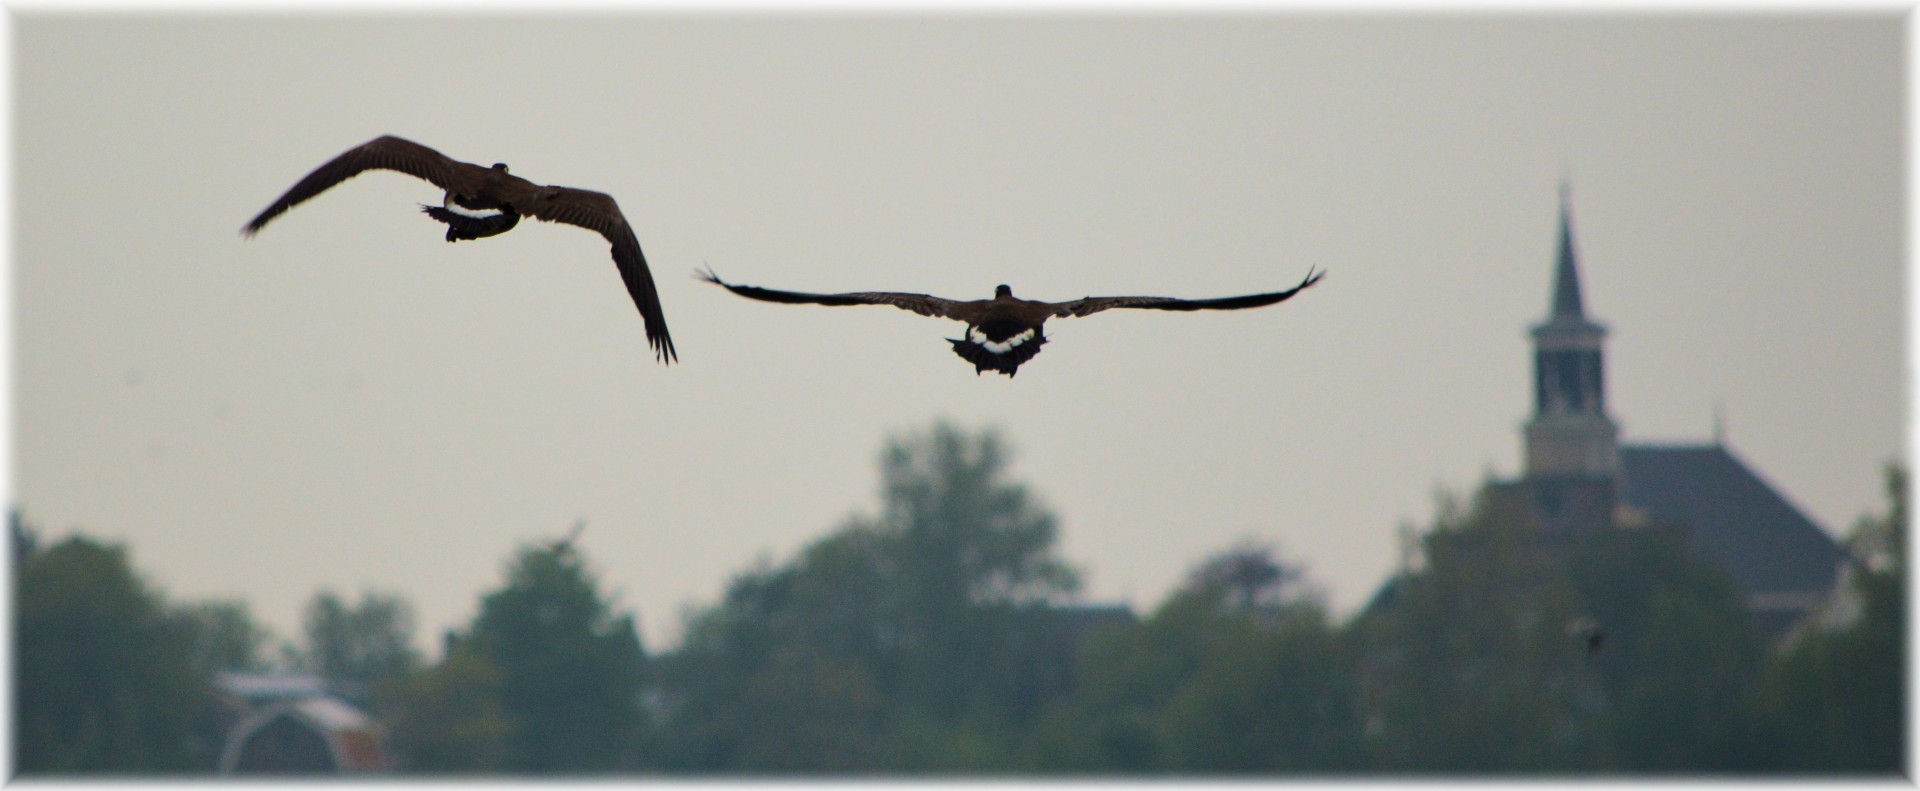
x=1091, y=305
x=919, y=303
x=597, y=212
x=381, y=153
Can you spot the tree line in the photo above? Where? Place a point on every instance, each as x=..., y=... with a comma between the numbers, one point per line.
x=942, y=635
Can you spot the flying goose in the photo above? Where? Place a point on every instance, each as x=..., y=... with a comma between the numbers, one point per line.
x=1005, y=331
x=564, y=546
x=483, y=202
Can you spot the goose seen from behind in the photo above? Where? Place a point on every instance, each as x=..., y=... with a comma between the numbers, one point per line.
x=1005, y=331
x=488, y=201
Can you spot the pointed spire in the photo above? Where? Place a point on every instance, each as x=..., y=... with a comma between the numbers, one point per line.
x=1566, y=276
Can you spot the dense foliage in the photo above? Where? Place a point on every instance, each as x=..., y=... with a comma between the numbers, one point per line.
x=942, y=635
x=1835, y=699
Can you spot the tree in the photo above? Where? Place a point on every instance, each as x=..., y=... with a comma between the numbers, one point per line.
x=1123, y=681
x=1248, y=579
x=1474, y=661
x=1680, y=654
x=1834, y=699
x=1267, y=697
x=23, y=540
x=448, y=718
x=920, y=638
x=964, y=534
x=1238, y=671
x=784, y=675
x=225, y=637
x=570, y=667
x=358, y=648
x=1467, y=666
x=967, y=562
x=103, y=677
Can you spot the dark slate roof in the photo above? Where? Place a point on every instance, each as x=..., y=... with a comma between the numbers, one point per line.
x=1730, y=515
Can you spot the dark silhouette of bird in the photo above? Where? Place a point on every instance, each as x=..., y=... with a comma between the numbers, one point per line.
x=1005, y=331
x=1587, y=631
x=564, y=546
x=483, y=201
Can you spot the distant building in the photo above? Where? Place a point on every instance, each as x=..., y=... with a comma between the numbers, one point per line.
x=292, y=725
x=1579, y=477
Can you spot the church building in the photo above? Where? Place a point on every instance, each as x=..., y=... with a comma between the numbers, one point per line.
x=1578, y=476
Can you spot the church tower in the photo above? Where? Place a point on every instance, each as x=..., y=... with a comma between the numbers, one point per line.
x=1570, y=433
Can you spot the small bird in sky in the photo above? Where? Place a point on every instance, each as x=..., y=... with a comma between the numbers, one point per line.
x=564, y=546
x=1005, y=331
x=482, y=201
x=1587, y=631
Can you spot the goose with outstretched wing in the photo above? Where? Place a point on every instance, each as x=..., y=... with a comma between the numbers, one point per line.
x=482, y=201
x=1005, y=331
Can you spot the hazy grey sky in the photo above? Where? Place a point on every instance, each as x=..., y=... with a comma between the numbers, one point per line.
x=347, y=401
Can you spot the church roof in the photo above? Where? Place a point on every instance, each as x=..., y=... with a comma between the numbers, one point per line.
x=1730, y=515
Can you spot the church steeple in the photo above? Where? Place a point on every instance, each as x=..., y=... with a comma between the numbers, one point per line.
x=1570, y=432
x=1566, y=276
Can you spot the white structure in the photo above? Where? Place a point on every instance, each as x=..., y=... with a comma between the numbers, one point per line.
x=291, y=725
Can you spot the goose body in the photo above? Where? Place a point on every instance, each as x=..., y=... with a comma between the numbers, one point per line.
x=1004, y=331
x=487, y=201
